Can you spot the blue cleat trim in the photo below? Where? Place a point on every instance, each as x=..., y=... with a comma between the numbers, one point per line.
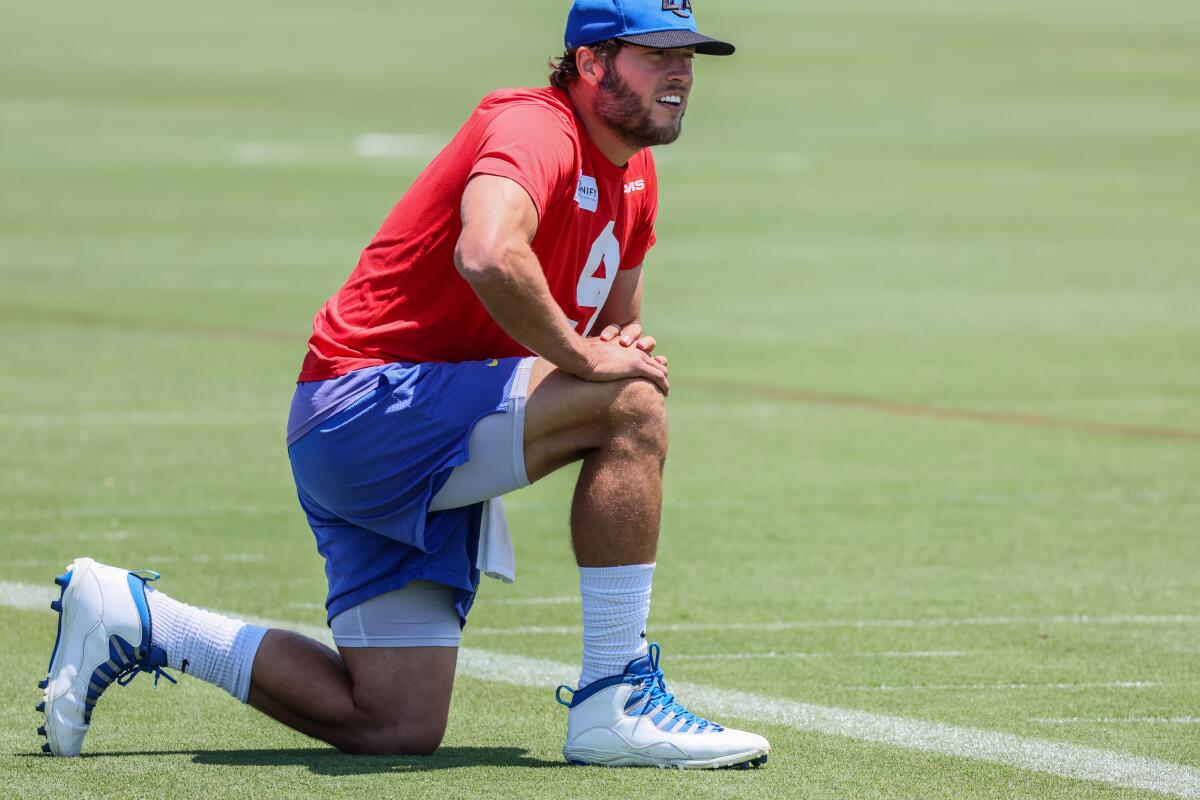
x=65, y=582
x=583, y=694
x=137, y=588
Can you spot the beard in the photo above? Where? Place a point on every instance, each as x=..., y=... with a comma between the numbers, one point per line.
x=619, y=107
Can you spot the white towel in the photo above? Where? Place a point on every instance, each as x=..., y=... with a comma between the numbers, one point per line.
x=496, y=558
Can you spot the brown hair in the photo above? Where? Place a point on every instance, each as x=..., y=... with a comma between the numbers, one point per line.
x=565, y=70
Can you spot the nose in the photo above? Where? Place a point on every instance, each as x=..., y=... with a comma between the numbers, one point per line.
x=680, y=68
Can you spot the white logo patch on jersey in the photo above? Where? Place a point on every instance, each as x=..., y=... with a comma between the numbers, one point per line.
x=635, y=186
x=587, y=193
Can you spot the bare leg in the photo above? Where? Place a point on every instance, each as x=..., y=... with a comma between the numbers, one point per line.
x=355, y=700
x=619, y=429
x=617, y=505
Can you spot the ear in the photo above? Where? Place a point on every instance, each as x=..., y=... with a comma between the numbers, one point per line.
x=591, y=68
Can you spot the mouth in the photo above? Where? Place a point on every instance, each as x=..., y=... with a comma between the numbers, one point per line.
x=672, y=101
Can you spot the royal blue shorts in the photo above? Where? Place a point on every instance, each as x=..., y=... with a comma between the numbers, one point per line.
x=365, y=477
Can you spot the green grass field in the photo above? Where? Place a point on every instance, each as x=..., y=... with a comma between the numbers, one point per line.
x=928, y=277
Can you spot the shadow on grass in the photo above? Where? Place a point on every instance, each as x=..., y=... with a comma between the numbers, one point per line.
x=322, y=761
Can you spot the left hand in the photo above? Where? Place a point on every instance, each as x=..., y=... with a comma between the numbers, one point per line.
x=631, y=336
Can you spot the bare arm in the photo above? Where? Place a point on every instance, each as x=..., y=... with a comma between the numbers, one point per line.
x=493, y=255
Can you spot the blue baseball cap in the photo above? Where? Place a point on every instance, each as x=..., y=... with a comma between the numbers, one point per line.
x=649, y=23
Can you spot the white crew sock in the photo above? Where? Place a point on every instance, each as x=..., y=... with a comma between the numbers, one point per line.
x=616, y=604
x=208, y=646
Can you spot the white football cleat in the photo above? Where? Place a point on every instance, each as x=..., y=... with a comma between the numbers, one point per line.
x=630, y=720
x=103, y=636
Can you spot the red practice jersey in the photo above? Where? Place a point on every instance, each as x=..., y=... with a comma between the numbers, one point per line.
x=405, y=301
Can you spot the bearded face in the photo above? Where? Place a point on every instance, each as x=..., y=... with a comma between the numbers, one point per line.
x=631, y=116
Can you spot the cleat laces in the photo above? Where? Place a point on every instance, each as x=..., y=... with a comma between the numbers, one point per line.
x=651, y=696
x=124, y=678
x=152, y=659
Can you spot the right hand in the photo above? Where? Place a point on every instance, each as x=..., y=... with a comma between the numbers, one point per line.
x=630, y=336
x=612, y=361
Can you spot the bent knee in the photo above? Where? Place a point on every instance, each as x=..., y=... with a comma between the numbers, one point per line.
x=413, y=742
x=638, y=398
x=640, y=409
x=395, y=740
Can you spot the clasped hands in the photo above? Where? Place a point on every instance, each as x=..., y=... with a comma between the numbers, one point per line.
x=623, y=352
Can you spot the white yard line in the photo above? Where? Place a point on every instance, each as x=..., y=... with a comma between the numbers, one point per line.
x=1116, y=720
x=563, y=600
x=34, y=514
x=1023, y=752
x=951, y=687
x=396, y=145
x=307, y=606
x=799, y=655
x=374, y=146
x=933, y=622
x=26, y=596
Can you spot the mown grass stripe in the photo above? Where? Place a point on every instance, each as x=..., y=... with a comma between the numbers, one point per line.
x=789, y=394
x=943, y=413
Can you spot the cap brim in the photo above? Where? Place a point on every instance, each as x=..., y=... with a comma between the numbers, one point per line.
x=677, y=38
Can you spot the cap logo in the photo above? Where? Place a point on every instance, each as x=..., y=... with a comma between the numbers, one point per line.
x=680, y=8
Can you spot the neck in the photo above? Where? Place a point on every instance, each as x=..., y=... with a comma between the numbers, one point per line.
x=610, y=143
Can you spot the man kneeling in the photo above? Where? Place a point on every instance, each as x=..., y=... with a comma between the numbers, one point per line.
x=420, y=402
